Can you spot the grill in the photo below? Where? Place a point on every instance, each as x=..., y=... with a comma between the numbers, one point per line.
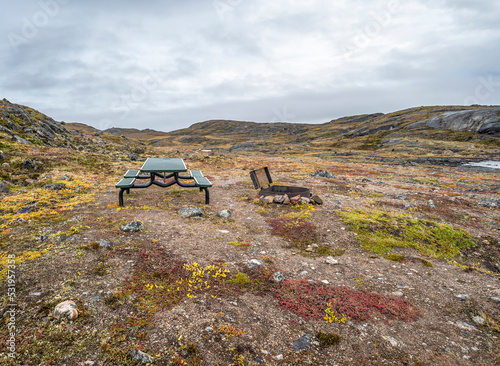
x=262, y=178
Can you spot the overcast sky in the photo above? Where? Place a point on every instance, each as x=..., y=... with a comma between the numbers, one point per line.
x=168, y=64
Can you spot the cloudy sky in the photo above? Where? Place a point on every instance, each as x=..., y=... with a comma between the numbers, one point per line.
x=166, y=64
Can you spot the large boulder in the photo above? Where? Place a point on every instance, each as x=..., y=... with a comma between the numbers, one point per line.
x=484, y=121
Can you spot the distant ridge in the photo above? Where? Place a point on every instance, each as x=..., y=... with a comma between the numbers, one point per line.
x=413, y=130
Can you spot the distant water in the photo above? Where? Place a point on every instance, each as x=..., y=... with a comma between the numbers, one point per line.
x=486, y=164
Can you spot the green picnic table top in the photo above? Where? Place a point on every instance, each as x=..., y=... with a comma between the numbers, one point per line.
x=158, y=165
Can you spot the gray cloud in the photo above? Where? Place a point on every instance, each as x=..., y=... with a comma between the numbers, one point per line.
x=168, y=64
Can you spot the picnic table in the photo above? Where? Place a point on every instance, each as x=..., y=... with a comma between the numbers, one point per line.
x=162, y=172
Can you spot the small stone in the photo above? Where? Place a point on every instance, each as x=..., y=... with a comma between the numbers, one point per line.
x=277, y=277
x=191, y=212
x=133, y=227
x=497, y=299
x=105, y=244
x=331, y=260
x=286, y=201
x=463, y=297
x=29, y=165
x=317, y=199
x=27, y=209
x=465, y=325
x=3, y=155
x=279, y=358
x=323, y=174
x=225, y=214
x=279, y=199
x=402, y=197
x=3, y=188
x=209, y=329
x=303, y=342
x=431, y=204
x=66, y=178
x=66, y=309
x=391, y=340
x=267, y=199
x=5, y=165
x=254, y=263
x=478, y=320
x=295, y=200
x=397, y=294
x=140, y=356
x=309, y=248
x=55, y=186
x=35, y=294
x=304, y=200
x=89, y=363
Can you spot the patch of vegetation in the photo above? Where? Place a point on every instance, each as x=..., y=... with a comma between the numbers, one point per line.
x=310, y=301
x=327, y=339
x=327, y=251
x=296, y=227
x=380, y=233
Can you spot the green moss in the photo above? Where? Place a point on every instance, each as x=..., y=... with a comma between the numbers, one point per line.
x=241, y=278
x=327, y=251
x=327, y=339
x=380, y=233
x=395, y=257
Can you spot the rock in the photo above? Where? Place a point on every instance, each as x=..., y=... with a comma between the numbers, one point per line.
x=225, y=214
x=484, y=121
x=55, y=186
x=489, y=203
x=323, y=174
x=391, y=340
x=279, y=358
x=465, y=325
x=303, y=342
x=304, y=200
x=89, y=363
x=105, y=244
x=286, y=201
x=254, y=263
x=191, y=212
x=454, y=200
x=317, y=199
x=277, y=277
x=140, y=356
x=331, y=260
x=3, y=188
x=5, y=165
x=133, y=227
x=431, y=204
x=27, y=209
x=402, y=197
x=279, y=199
x=3, y=155
x=66, y=309
x=490, y=266
x=463, y=297
x=21, y=140
x=478, y=320
x=295, y=200
x=267, y=199
x=252, y=196
x=66, y=178
x=29, y=165
x=496, y=299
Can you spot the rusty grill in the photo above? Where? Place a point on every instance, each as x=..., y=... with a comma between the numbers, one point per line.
x=262, y=180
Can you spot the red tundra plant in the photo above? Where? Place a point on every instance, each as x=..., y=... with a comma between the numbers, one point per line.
x=310, y=300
